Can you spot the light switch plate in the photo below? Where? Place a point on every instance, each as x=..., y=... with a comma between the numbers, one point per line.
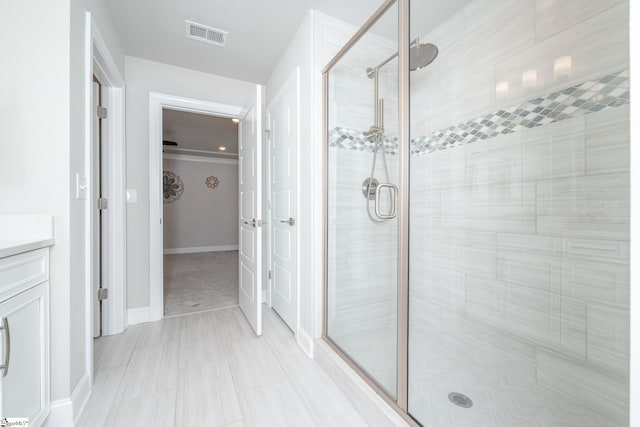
x=81, y=187
x=132, y=196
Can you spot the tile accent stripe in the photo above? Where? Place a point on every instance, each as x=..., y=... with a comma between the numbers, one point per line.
x=589, y=97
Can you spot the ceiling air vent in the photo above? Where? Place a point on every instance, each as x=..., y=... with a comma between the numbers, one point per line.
x=205, y=34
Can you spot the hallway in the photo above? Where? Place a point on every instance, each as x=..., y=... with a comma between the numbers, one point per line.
x=209, y=369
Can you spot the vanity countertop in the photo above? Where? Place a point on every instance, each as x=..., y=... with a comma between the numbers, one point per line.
x=14, y=247
x=24, y=233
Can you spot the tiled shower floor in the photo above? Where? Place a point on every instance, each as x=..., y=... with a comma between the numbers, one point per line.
x=480, y=364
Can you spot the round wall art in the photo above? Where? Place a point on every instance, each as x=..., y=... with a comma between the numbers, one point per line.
x=212, y=182
x=172, y=186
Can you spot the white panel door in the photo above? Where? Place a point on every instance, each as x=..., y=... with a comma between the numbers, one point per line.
x=283, y=126
x=250, y=240
x=95, y=238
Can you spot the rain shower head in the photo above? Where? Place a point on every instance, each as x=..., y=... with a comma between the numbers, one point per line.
x=420, y=55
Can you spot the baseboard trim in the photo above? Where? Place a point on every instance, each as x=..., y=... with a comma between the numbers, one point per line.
x=80, y=396
x=138, y=315
x=305, y=342
x=200, y=249
x=60, y=414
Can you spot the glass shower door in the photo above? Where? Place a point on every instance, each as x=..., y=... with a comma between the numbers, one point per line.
x=362, y=170
x=519, y=248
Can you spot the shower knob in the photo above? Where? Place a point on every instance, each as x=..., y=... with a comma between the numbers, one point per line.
x=369, y=191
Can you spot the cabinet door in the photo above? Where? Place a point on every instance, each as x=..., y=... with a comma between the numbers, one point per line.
x=24, y=348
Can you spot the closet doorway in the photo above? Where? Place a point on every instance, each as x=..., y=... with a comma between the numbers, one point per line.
x=200, y=212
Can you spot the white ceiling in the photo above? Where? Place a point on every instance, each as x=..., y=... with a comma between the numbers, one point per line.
x=259, y=30
x=199, y=132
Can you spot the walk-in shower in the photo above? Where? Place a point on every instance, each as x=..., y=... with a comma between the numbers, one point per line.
x=487, y=282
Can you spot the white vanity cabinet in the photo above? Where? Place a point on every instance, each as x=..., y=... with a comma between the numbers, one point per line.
x=24, y=336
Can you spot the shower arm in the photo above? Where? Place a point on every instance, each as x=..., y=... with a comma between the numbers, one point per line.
x=373, y=71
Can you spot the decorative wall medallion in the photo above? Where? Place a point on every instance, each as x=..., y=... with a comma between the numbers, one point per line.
x=172, y=186
x=212, y=182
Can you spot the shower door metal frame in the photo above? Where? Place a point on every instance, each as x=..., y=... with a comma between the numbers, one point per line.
x=399, y=404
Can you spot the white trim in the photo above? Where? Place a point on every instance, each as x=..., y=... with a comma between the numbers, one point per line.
x=80, y=396
x=305, y=341
x=139, y=315
x=175, y=150
x=61, y=414
x=202, y=159
x=157, y=102
x=99, y=60
x=634, y=338
x=200, y=249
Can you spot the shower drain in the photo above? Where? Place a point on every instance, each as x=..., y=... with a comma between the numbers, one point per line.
x=461, y=400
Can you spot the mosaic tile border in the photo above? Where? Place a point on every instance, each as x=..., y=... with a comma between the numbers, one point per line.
x=589, y=97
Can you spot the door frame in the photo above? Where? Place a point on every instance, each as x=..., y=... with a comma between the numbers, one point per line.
x=99, y=62
x=158, y=102
x=292, y=80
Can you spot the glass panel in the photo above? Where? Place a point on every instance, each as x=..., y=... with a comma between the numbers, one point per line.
x=519, y=252
x=362, y=241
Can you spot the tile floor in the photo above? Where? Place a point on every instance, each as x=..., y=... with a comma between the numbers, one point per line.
x=498, y=372
x=209, y=369
x=200, y=282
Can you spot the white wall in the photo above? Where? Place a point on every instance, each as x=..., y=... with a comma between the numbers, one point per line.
x=35, y=150
x=202, y=217
x=317, y=40
x=142, y=77
x=42, y=117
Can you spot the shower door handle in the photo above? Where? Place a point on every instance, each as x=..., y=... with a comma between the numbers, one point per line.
x=394, y=193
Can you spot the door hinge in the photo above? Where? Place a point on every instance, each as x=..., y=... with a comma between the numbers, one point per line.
x=102, y=112
x=103, y=203
x=267, y=133
x=103, y=293
x=269, y=274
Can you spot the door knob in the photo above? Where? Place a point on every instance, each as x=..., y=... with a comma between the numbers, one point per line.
x=290, y=221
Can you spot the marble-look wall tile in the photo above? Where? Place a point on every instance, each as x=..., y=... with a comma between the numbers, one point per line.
x=469, y=252
x=529, y=260
x=590, y=206
x=607, y=141
x=554, y=151
x=608, y=337
x=596, y=281
x=441, y=169
x=534, y=314
x=489, y=37
x=553, y=16
x=443, y=287
x=596, y=249
x=495, y=161
x=574, y=327
x=505, y=208
x=487, y=300
x=593, y=48
x=605, y=394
